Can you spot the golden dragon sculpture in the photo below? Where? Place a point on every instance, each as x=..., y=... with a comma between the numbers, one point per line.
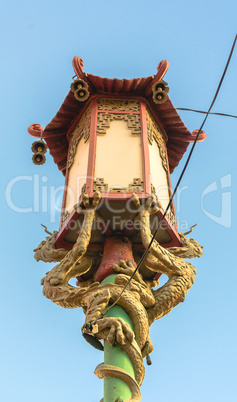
x=142, y=303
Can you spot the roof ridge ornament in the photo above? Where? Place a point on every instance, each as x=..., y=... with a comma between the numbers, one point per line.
x=78, y=65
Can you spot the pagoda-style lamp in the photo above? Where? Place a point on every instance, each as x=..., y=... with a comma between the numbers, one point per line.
x=117, y=141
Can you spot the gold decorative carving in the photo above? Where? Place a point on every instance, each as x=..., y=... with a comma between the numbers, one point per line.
x=171, y=217
x=65, y=216
x=135, y=299
x=81, y=122
x=118, y=104
x=100, y=185
x=190, y=248
x=83, y=189
x=153, y=128
x=85, y=133
x=104, y=119
x=106, y=370
x=136, y=186
x=153, y=189
x=150, y=132
x=169, y=262
x=47, y=252
x=162, y=154
x=73, y=263
x=118, y=189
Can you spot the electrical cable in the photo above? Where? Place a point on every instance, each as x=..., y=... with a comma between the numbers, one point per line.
x=201, y=111
x=178, y=183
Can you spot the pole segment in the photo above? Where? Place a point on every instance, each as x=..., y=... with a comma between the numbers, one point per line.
x=116, y=248
x=113, y=355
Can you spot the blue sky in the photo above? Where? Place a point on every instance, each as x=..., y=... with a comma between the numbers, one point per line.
x=43, y=356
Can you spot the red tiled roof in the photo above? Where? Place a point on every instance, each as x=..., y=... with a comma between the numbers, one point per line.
x=179, y=137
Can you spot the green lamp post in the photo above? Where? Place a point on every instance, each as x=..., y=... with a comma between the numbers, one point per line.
x=117, y=141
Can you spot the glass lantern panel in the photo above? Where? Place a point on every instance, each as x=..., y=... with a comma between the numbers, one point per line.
x=118, y=156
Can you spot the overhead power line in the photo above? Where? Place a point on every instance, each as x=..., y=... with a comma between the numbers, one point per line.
x=201, y=111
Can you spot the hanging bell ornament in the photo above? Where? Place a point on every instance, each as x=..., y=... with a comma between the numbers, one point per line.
x=80, y=90
x=160, y=91
x=160, y=86
x=160, y=97
x=38, y=159
x=39, y=148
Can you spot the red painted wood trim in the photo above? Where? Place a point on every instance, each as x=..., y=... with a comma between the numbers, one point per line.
x=158, y=122
x=145, y=150
x=117, y=197
x=36, y=130
x=92, y=148
x=161, y=71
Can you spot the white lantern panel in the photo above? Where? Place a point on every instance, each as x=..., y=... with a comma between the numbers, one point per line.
x=118, y=156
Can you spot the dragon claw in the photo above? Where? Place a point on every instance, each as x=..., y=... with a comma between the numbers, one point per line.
x=85, y=200
x=96, y=198
x=126, y=268
x=136, y=201
x=152, y=205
